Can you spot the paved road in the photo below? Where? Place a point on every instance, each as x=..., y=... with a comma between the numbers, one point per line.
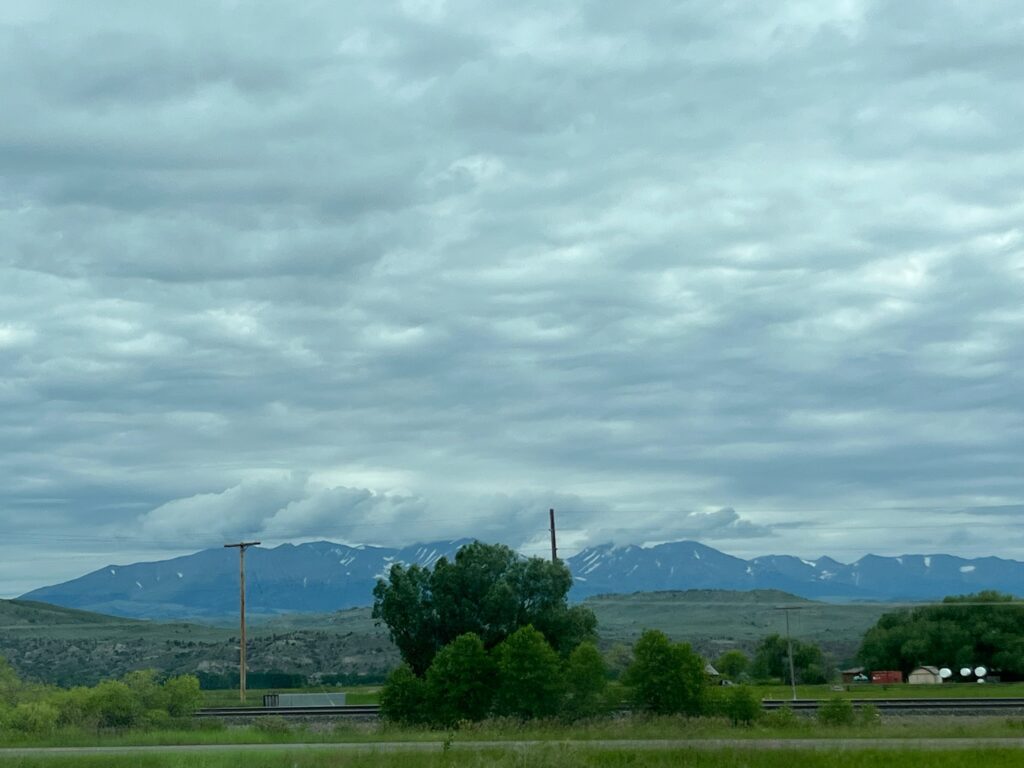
x=627, y=744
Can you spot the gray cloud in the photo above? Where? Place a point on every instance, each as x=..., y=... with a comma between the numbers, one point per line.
x=442, y=265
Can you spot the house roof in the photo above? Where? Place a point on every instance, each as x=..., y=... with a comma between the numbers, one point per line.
x=930, y=670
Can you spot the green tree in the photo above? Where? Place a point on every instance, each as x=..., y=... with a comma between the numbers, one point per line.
x=404, y=697
x=10, y=685
x=586, y=677
x=460, y=682
x=488, y=590
x=771, y=660
x=986, y=628
x=732, y=664
x=741, y=705
x=666, y=677
x=530, y=681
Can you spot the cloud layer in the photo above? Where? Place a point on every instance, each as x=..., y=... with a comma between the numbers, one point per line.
x=390, y=272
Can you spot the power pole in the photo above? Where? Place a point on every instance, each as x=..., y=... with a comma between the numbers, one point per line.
x=242, y=546
x=554, y=546
x=789, y=645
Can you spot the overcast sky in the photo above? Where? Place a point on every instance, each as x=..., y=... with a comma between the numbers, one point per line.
x=751, y=273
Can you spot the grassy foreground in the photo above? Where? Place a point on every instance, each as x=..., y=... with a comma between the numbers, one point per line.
x=544, y=757
x=277, y=731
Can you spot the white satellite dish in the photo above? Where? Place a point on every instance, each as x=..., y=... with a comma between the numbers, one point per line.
x=980, y=671
x=945, y=673
x=965, y=671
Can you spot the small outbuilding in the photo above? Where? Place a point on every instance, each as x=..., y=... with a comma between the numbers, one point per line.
x=925, y=676
x=853, y=675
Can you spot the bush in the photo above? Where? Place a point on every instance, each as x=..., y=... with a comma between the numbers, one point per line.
x=836, y=711
x=114, y=705
x=869, y=715
x=34, y=718
x=666, y=678
x=404, y=697
x=530, y=681
x=181, y=696
x=586, y=679
x=74, y=707
x=460, y=682
x=741, y=705
x=784, y=717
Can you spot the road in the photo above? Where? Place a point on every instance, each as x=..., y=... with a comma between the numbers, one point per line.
x=621, y=744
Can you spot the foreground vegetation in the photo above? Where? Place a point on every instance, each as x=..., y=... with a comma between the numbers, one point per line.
x=544, y=757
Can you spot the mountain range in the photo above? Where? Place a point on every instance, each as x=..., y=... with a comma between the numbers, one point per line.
x=320, y=577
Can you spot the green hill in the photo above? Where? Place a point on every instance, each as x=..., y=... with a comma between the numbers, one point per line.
x=61, y=645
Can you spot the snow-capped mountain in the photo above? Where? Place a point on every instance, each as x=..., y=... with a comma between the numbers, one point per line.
x=323, y=577
x=690, y=565
x=314, y=577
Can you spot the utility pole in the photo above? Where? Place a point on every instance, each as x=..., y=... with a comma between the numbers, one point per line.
x=789, y=645
x=554, y=546
x=242, y=546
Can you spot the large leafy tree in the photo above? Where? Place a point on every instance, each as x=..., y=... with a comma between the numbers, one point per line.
x=666, y=677
x=530, y=678
x=488, y=590
x=986, y=628
x=771, y=660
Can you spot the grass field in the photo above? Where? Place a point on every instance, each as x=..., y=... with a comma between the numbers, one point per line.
x=545, y=757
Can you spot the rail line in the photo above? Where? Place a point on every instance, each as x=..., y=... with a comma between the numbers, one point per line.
x=909, y=706
x=348, y=710
x=906, y=705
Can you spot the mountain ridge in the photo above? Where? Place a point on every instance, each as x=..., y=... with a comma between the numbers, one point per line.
x=324, y=576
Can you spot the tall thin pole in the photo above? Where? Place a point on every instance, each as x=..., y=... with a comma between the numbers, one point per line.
x=242, y=546
x=554, y=545
x=788, y=643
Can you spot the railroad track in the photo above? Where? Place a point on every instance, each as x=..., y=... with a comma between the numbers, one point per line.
x=883, y=705
x=906, y=705
x=348, y=710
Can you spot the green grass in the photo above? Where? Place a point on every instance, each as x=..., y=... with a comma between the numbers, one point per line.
x=545, y=757
x=902, y=691
x=279, y=731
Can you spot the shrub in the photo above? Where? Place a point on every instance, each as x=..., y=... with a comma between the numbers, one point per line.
x=460, y=682
x=35, y=718
x=404, y=697
x=666, y=678
x=74, y=707
x=836, y=711
x=586, y=679
x=784, y=717
x=530, y=681
x=181, y=696
x=741, y=705
x=869, y=715
x=114, y=705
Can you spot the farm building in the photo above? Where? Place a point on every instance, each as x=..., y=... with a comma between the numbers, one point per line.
x=925, y=676
x=854, y=675
x=886, y=676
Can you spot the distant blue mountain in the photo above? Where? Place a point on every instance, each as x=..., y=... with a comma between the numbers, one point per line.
x=323, y=577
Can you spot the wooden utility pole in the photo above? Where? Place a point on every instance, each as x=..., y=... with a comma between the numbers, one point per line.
x=242, y=546
x=554, y=546
x=789, y=645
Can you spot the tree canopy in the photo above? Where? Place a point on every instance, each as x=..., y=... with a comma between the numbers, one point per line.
x=771, y=660
x=488, y=590
x=986, y=629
